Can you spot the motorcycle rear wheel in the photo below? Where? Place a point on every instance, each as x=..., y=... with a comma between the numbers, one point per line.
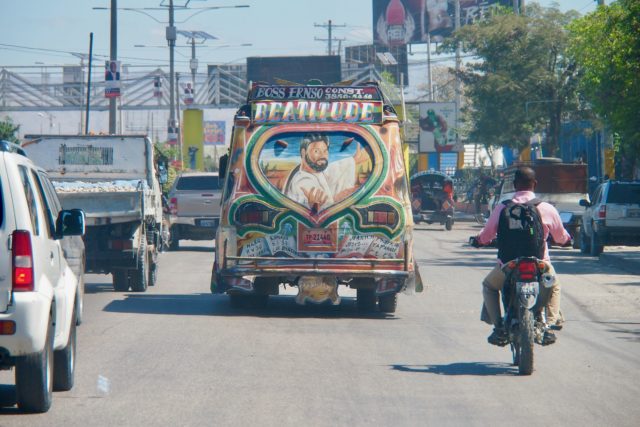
x=527, y=334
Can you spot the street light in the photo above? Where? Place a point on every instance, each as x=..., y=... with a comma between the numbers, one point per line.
x=203, y=36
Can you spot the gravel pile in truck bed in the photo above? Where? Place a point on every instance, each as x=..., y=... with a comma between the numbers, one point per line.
x=98, y=187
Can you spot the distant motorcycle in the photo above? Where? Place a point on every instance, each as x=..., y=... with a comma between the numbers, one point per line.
x=526, y=291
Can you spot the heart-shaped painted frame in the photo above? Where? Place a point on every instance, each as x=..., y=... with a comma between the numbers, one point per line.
x=261, y=136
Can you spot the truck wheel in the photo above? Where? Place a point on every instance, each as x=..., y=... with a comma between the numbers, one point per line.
x=174, y=240
x=120, y=280
x=153, y=267
x=366, y=300
x=34, y=377
x=140, y=276
x=64, y=361
x=388, y=303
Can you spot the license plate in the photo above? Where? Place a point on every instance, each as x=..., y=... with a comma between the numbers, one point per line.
x=207, y=223
x=528, y=288
x=317, y=239
x=633, y=213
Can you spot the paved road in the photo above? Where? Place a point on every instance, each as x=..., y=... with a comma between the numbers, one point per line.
x=178, y=355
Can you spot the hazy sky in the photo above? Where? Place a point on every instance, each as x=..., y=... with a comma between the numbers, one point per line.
x=273, y=27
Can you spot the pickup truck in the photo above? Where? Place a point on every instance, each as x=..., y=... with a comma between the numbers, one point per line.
x=113, y=180
x=194, y=204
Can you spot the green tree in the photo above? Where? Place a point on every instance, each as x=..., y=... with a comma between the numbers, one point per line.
x=606, y=46
x=8, y=130
x=523, y=83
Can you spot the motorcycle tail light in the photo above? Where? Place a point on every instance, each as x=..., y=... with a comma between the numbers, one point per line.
x=527, y=270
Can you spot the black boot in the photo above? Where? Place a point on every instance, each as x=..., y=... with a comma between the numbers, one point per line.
x=499, y=336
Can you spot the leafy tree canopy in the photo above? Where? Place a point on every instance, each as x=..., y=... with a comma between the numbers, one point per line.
x=523, y=80
x=606, y=45
x=8, y=130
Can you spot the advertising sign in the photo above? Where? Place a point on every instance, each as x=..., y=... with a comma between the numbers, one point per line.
x=399, y=22
x=437, y=123
x=112, y=79
x=315, y=112
x=214, y=132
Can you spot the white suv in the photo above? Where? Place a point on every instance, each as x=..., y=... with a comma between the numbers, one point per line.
x=612, y=217
x=40, y=294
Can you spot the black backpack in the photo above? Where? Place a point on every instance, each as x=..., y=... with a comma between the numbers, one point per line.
x=520, y=231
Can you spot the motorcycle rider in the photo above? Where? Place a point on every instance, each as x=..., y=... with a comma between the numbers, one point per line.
x=524, y=182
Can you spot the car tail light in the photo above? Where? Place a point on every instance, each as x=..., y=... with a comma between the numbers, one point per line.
x=381, y=217
x=173, y=206
x=602, y=212
x=7, y=327
x=22, y=256
x=527, y=270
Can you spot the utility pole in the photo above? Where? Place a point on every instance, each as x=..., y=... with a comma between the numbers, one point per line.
x=86, y=122
x=429, y=78
x=193, y=64
x=113, y=56
x=171, y=40
x=329, y=26
x=458, y=66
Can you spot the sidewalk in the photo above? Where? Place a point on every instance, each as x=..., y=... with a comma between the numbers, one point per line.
x=624, y=257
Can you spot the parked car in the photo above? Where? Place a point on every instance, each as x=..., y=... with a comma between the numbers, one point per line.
x=612, y=217
x=194, y=204
x=40, y=292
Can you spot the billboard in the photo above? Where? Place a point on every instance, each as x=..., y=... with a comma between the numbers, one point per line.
x=214, y=132
x=437, y=121
x=399, y=22
x=298, y=69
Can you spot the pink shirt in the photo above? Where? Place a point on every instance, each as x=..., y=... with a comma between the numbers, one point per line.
x=551, y=222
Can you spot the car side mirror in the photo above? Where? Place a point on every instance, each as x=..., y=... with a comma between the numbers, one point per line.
x=584, y=202
x=70, y=223
x=222, y=165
